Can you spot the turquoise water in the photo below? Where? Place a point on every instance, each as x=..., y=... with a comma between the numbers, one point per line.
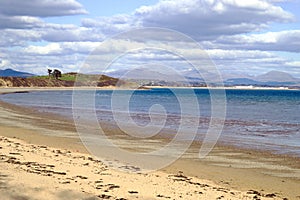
x=256, y=119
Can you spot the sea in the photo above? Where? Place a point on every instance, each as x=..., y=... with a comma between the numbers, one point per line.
x=266, y=120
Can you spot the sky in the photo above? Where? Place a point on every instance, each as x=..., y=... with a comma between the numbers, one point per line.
x=240, y=37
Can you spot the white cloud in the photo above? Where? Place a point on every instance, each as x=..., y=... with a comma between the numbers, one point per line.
x=5, y=63
x=18, y=37
x=18, y=14
x=19, y=22
x=205, y=19
x=49, y=33
x=201, y=19
x=245, y=61
x=61, y=49
x=70, y=33
x=41, y=8
x=271, y=41
x=110, y=25
x=293, y=64
x=50, y=49
x=221, y=54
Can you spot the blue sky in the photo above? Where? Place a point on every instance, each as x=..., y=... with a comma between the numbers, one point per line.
x=245, y=38
x=103, y=8
x=109, y=8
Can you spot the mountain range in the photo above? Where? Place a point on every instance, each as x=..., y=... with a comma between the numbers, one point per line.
x=272, y=78
x=146, y=75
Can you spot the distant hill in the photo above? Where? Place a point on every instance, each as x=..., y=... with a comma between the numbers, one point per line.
x=150, y=76
x=276, y=76
x=14, y=73
x=242, y=81
x=145, y=74
x=272, y=78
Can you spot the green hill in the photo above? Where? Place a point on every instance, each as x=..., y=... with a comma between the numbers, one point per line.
x=66, y=80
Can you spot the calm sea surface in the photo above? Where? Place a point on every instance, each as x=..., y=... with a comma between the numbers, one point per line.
x=256, y=119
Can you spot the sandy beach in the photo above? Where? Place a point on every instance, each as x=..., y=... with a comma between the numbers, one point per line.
x=42, y=157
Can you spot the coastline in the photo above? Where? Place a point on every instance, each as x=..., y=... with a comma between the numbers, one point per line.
x=236, y=170
x=226, y=88
x=4, y=90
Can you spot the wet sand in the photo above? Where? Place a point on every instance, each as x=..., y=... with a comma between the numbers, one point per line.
x=42, y=156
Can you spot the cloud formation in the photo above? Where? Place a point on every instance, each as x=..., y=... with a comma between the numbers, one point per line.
x=271, y=41
x=41, y=8
x=236, y=34
x=15, y=14
x=201, y=19
x=212, y=18
x=19, y=22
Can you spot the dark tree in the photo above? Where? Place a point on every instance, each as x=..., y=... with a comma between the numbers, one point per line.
x=49, y=72
x=56, y=73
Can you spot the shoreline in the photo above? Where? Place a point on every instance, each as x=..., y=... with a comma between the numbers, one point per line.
x=226, y=88
x=227, y=166
x=28, y=89
x=167, y=135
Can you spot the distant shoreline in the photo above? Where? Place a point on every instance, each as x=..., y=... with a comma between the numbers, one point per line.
x=227, y=88
x=5, y=90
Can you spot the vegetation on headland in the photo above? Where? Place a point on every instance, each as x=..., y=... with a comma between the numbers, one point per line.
x=64, y=77
x=66, y=80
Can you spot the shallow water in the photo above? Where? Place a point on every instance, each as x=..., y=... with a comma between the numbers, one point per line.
x=255, y=119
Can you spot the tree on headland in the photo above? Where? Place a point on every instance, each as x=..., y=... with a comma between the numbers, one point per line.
x=54, y=73
x=49, y=72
